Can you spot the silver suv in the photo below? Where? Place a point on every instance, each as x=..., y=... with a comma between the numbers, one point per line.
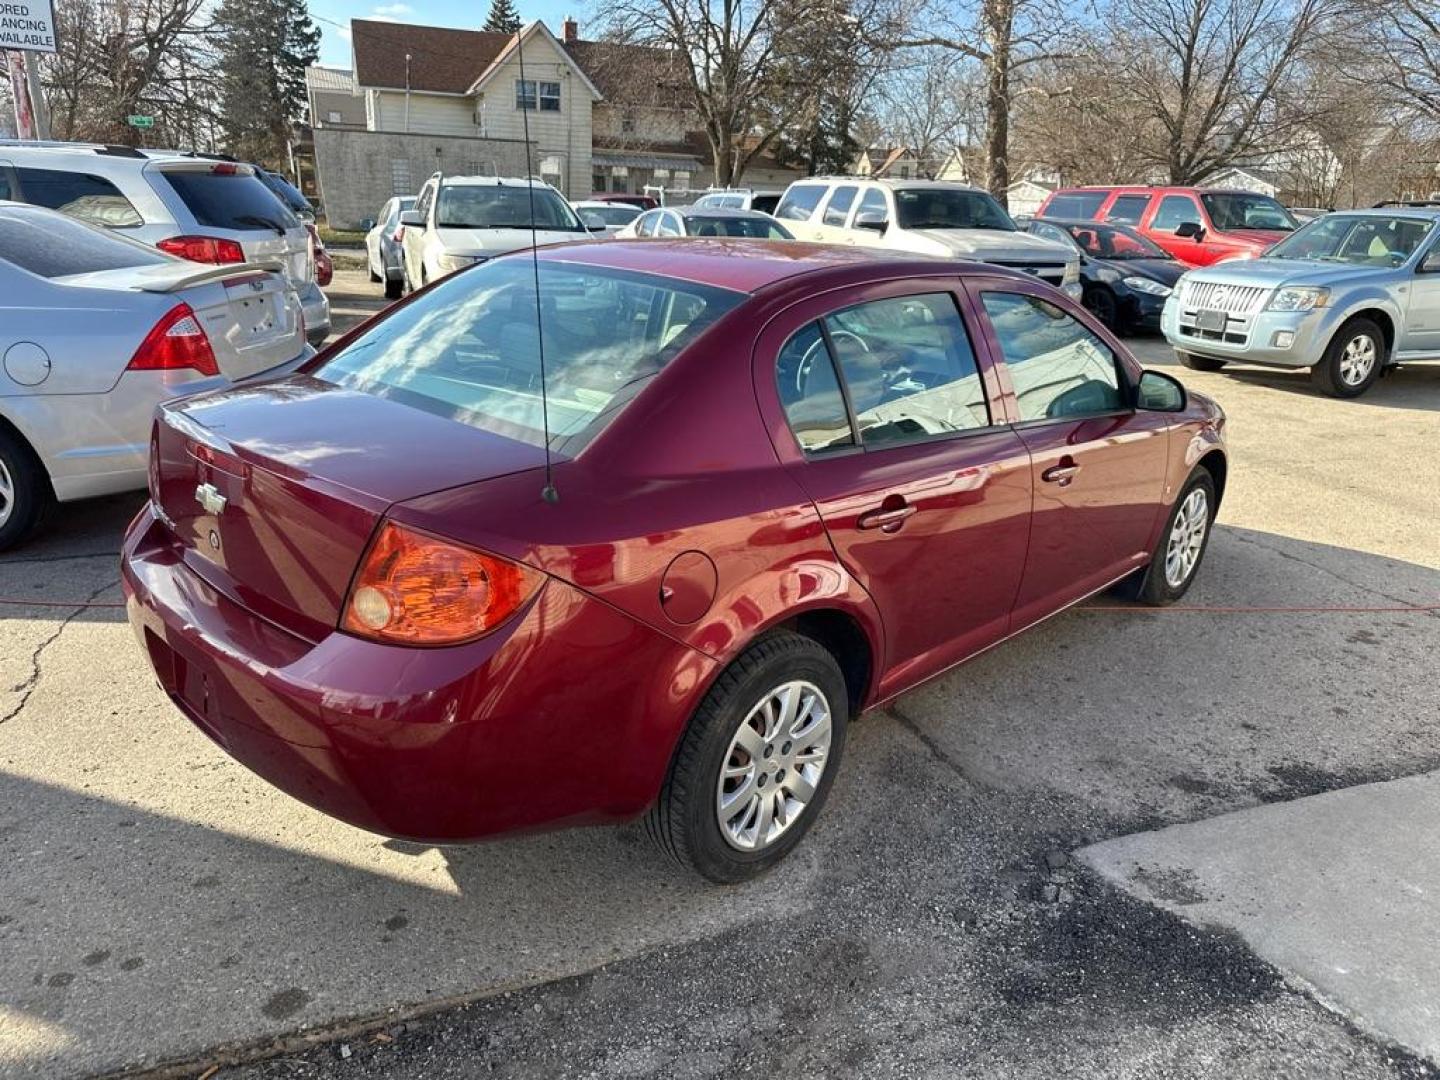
x=197, y=208
x=1348, y=295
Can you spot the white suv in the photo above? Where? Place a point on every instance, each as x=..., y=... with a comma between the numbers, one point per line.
x=929, y=217
x=198, y=208
x=459, y=220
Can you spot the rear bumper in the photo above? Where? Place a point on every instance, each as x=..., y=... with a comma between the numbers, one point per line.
x=566, y=715
x=316, y=306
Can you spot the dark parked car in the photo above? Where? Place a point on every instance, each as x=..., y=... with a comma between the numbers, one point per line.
x=790, y=482
x=1126, y=277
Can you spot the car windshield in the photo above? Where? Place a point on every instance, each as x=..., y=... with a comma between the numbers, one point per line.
x=757, y=228
x=1363, y=239
x=612, y=213
x=469, y=349
x=491, y=206
x=1232, y=212
x=949, y=208
x=1113, y=242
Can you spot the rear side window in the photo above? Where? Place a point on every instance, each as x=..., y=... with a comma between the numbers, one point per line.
x=1174, y=211
x=1127, y=209
x=1077, y=205
x=81, y=195
x=908, y=368
x=229, y=200
x=1059, y=368
x=51, y=246
x=800, y=202
x=838, y=209
x=810, y=393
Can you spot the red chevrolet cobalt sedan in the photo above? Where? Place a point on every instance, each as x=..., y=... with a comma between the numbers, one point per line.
x=789, y=483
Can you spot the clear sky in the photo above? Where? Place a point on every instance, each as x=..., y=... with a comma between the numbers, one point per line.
x=333, y=17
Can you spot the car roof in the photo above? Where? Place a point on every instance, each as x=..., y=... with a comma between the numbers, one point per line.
x=750, y=265
x=1400, y=210
x=492, y=181
x=890, y=182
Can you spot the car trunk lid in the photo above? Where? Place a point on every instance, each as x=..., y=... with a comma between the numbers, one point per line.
x=273, y=491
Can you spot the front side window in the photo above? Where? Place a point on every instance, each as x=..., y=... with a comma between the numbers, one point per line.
x=800, y=202
x=1175, y=210
x=469, y=349
x=950, y=208
x=495, y=206
x=668, y=225
x=1058, y=367
x=89, y=198
x=810, y=393
x=646, y=225
x=1127, y=209
x=873, y=204
x=838, y=208
x=909, y=369
x=1046, y=231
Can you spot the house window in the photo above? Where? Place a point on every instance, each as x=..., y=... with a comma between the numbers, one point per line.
x=332, y=117
x=627, y=123
x=682, y=180
x=400, y=177
x=597, y=180
x=552, y=171
x=904, y=172
x=528, y=92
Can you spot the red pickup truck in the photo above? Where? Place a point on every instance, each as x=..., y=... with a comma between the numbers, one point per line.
x=1198, y=226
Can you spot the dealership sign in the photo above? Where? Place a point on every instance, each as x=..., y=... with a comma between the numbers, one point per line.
x=27, y=24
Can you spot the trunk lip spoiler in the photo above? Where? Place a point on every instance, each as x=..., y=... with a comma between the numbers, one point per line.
x=213, y=273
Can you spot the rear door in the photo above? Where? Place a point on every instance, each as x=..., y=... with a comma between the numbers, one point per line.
x=888, y=418
x=1098, y=464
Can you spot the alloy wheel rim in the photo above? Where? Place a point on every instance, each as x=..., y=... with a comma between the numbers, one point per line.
x=7, y=493
x=1358, y=359
x=1187, y=537
x=772, y=771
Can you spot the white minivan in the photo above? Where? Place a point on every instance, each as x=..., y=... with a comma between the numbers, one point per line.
x=929, y=217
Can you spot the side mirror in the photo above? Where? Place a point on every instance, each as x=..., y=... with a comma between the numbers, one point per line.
x=1191, y=229
x=872, y=221
x=412, y=218
x=366, y=224
x=1159, y=392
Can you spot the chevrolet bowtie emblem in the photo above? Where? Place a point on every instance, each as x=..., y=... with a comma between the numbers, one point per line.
x=208, y=496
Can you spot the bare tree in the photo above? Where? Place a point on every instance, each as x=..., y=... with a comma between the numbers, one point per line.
x=1406, y=34
x=932, y=105
x=1221, y=79
x=748, y=65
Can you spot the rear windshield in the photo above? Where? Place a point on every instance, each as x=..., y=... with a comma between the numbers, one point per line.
x=230, y=201
x=470, y=350
x=757, y=228
x=765, y=203
x=51, y=245
x=484, y=207
x=287, y=192
x=1079, y=205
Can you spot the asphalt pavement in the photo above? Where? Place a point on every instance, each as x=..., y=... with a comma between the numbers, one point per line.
x=162, y=906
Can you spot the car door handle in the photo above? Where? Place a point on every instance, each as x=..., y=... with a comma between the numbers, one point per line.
x=887, y=520
x=1060, y=474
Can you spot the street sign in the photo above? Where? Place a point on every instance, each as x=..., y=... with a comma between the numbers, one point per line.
x=27, y=25
x=140, y=121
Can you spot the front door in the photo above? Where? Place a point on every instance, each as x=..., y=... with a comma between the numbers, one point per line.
x=1098, y=464
x=1420, y=332
x=890, y=425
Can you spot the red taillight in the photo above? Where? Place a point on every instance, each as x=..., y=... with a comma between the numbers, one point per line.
x=176, y=342
x=225, y=169
x=413, y=589
x=205, y=249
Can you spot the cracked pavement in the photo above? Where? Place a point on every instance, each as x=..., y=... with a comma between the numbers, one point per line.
x=161, y=905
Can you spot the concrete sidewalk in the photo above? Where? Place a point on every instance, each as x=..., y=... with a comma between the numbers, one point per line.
x=1340, y=891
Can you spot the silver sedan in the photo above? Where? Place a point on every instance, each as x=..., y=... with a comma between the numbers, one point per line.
x=383, y=253
x=95, y=330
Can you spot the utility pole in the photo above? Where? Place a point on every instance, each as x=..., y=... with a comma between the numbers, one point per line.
x=24, y=118
x=39, y=113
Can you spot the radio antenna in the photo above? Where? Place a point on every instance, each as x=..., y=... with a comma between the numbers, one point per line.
x=548, y=492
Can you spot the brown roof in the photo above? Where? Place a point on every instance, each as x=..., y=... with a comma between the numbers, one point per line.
x=442, y=60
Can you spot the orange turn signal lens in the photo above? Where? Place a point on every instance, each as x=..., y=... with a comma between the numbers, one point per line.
x=413, y=589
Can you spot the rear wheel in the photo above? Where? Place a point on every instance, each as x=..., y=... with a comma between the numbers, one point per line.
x=1353, y=360
x=1199, y=363
x=757, y=761
x=25, y=496
x=394, y=289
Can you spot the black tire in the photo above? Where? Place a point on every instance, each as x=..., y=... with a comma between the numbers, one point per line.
x=683, y=820
x=30, y=495
x=1100, y=302
x=394, y=289
x=1199, y=363
x=1151, y=586
x=1329, y=375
